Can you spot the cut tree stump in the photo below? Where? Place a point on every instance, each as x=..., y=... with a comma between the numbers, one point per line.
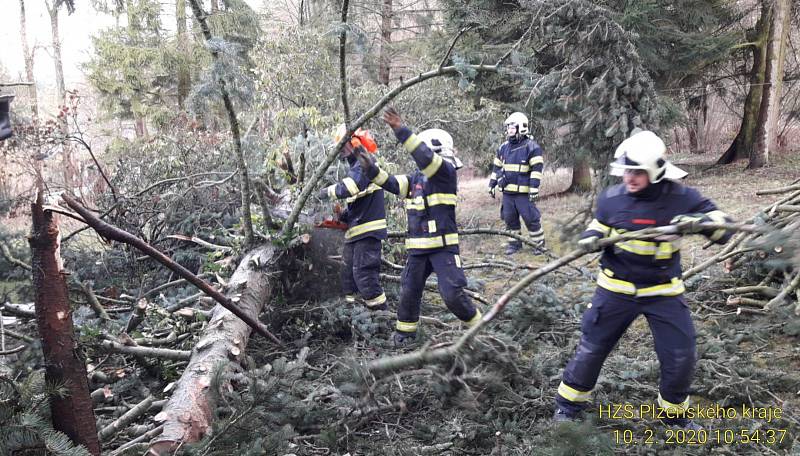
x=72, y=412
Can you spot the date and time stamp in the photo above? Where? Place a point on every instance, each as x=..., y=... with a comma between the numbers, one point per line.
x=734, y=430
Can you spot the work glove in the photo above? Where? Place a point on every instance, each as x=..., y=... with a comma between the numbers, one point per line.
x=692, y=220
x=365, y=159
x=589, y=244
x=492, y=191
x=323, y=194
x=533, y=196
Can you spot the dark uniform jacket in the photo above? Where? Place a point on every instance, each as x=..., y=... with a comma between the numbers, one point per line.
x=647, y=268
x=518, y=166
x=430, y=197
x=365, y=215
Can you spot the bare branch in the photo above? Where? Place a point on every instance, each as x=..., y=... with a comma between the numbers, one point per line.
x=111, y=232
x=343, y=61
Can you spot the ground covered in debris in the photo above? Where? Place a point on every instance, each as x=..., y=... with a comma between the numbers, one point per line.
x=315, y=397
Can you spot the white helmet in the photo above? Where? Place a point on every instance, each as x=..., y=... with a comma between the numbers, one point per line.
x=440, y=142
x=644, y=150
x=519, y=121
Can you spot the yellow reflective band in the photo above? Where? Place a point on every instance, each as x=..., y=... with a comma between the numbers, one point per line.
x=571, y=394
x=516, y=188
x=332, y=191
x=666, y=249
x=537, y=175
x=407, y=326
x=351, y=185
x=416, y=203
x=515, y=168
x=497, y=162
x=672, y=288
x=674, y=409
x=615, y=285
x=402, y=182
x=434, y=166
x=597, y=226
x=432, y=242
x=493, y=176
x=377, y=301
x=372, y=188
x=474, y=320
x=381, y=178
x=350, y=298
x=412, y=143
x=458, y=260
x=450, y=199
x=536, y=235
x=365, y=228
x=536, y=160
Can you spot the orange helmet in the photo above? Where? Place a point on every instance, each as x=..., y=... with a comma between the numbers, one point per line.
x=360, y=137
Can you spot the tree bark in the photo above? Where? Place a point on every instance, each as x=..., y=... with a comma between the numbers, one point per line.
x=187, y=416
x=742, y=145
x=184, y=79
x=68, y=166
x=769, y=110
x=581, y=177
x=72, y=413
x=233, y=121
x=384, y=60
x=28, y=57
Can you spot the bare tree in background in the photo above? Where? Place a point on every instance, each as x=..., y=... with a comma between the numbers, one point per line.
x=27, y=55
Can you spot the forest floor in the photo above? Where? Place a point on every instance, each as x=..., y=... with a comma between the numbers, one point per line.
x=497, y=397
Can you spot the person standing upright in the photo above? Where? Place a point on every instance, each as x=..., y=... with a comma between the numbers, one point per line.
x=517, y=171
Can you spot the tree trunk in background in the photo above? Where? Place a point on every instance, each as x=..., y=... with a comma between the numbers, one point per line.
x=769, y=112
x=184, y=80
x=69, y=166
x=742, y=145
x=697, y=112
x=384, y=60
x=581, y=177
x=28, y=57
x=72, y=414
x=214, y=6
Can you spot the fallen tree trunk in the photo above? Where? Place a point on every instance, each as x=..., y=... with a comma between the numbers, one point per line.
x=187, y=415
x=307, y=272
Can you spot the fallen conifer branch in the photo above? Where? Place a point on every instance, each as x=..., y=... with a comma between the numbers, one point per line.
x=109, y=231
x=153, y=352
x=388, y=365
x=130, y=416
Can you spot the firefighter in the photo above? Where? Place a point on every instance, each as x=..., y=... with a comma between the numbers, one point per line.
x=640, y=277
x=432, y=242
x=517, y=170
x=5, y=117
x=365, y=217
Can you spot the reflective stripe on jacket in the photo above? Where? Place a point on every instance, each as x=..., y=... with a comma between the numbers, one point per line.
x=366, y=214
x=518, y=166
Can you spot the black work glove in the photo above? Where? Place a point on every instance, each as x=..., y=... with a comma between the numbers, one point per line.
x=365, y=159
x=492, y=191
x=323, y=194
x=533, y=196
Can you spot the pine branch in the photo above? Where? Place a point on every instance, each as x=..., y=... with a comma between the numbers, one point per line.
x=388, y=365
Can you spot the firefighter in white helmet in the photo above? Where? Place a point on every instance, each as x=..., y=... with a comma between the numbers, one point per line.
x=517, y=170
x=640, y=277
x=430, y=195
